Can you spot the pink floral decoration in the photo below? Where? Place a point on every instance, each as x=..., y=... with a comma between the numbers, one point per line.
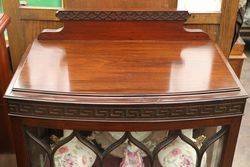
x=63, y=149
x=186, y=161
x=175, y=152
x=132, y=159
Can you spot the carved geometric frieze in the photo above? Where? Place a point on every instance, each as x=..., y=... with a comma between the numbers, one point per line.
x=167, y=112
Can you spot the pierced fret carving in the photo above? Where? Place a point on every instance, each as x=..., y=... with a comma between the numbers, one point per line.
x=123, y=15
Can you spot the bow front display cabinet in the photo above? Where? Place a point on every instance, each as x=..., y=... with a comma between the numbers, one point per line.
x=125, y=88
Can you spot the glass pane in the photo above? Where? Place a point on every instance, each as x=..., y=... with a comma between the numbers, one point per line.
x=42, y=3
x=125, y=149
x=204, y=6
x=212, y=156
x=37, y=155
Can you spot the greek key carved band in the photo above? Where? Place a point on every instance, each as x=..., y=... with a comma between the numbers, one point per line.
x=164, y=112
x=123, y=15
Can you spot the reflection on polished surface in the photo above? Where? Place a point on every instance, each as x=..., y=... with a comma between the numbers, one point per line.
x=154, y=67
x=58, y=67
x=184, y=69
x=124, y=67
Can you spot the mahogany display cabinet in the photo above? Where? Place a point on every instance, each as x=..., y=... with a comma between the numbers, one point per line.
x=125, y=88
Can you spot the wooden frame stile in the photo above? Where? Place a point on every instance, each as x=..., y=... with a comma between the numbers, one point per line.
x=229, y=11
x=17, y=47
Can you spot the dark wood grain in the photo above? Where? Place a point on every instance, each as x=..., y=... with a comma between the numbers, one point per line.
x=5, y=77
x=103, y=125
x=124, y=25
x=5, y=70
x=124, y=67
x=20, y=143
x=122, y=30
x=229, y=143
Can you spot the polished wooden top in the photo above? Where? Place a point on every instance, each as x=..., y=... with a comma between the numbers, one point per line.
x=124, y=67
x=128, y=58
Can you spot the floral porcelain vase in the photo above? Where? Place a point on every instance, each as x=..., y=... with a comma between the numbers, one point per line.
x=176, y=154
x=180, y=154
x=74, y=154
x=132, y=157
